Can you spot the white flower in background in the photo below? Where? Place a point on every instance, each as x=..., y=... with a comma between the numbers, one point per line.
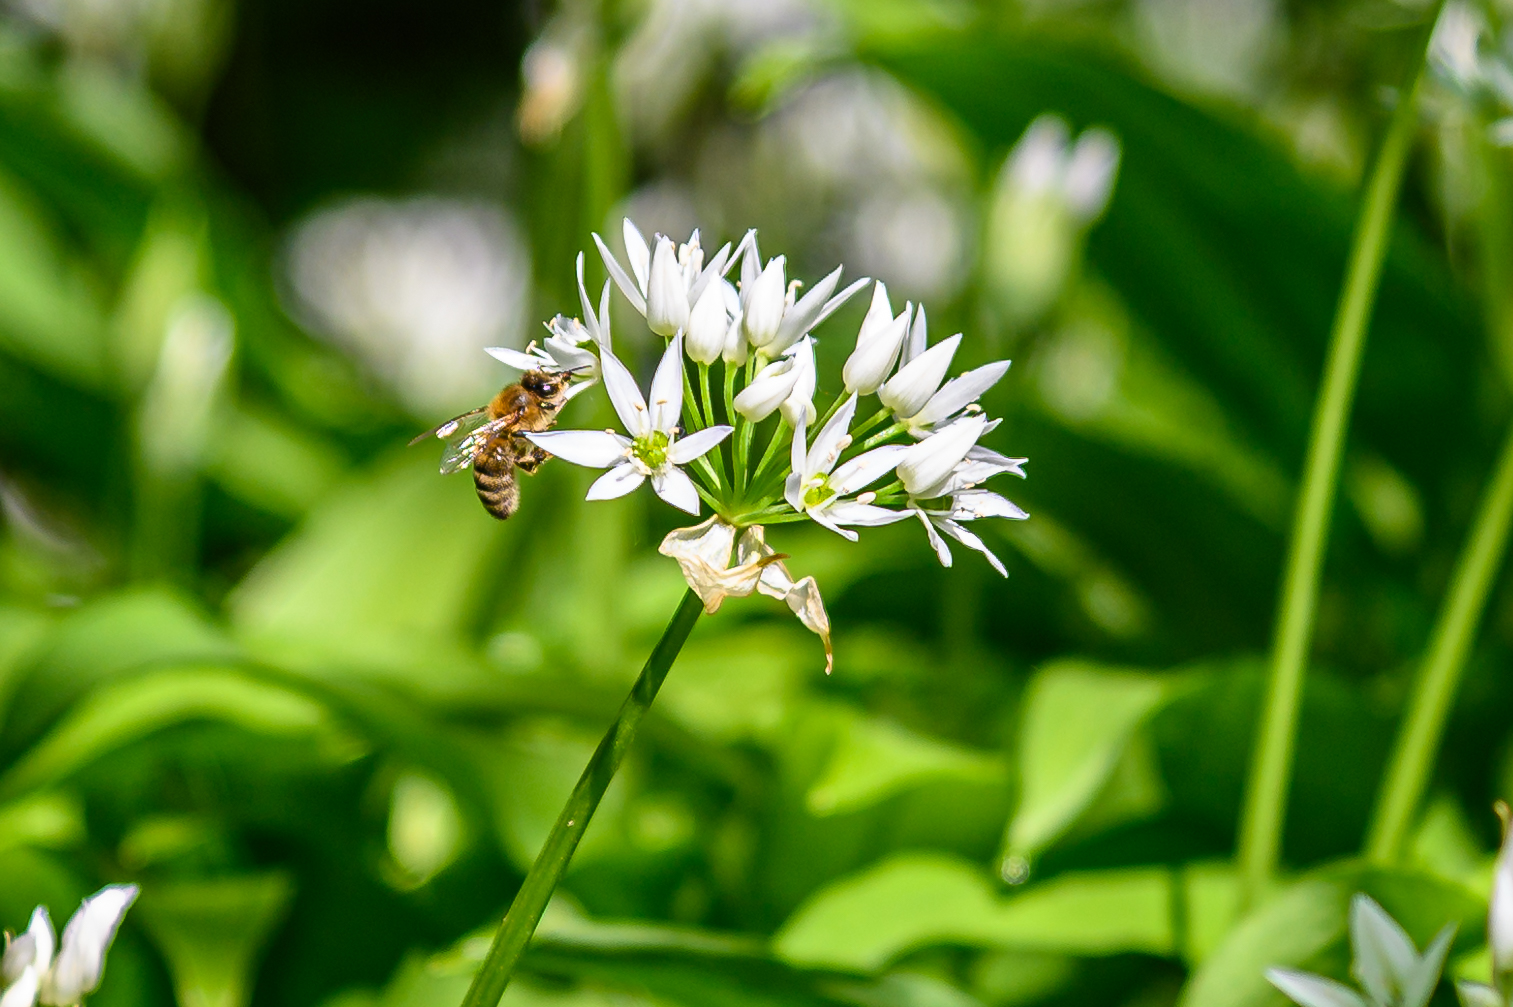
x=31, y=971
x=878, y=344
x=703, y=552
x=1049, y=192
x=1500, y=912
x=653, y=450
x=668, y=281
x=1390, y=970
x=818, y=489
x=413, y=289
x=1455, y=45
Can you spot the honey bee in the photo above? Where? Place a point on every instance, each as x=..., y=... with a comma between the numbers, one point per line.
x=490, y=439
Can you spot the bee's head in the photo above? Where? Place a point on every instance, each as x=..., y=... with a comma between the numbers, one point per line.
x=544, y=384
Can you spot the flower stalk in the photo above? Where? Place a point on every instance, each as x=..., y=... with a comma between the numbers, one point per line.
x=1418, y=739
x=1271, y=764
x=551, y=863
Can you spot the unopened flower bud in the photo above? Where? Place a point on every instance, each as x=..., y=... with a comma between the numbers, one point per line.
x=666, y=293
x=765, y=303
x=707, y=325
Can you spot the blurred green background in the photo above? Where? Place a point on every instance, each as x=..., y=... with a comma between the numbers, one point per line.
x=258, y=657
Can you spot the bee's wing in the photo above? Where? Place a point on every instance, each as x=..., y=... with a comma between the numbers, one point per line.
x=464, y=444
x=456, y=426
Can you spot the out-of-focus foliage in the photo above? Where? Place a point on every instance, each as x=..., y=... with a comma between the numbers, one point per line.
x=262, y=660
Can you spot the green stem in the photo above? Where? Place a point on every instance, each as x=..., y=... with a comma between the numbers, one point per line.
x=1402, y=788
x=704, y=395
x=878, y=438
x=699, y=421
x=551, y=863
x=773, y=443
x=871, y=422
x=1271, y=763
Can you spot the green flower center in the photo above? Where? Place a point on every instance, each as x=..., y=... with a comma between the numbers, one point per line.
x=651, y=450
x=817, y=491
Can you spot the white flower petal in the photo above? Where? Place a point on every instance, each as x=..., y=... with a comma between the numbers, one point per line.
x=867, y=468
x=765, y=303
x=595, y=449
x=836, y=301
x=1090, y=171
x=906, y=392
x=686, y=449
x=81, y=955
x=926, y=466
x=875, y=354
x=23, y=991
x=707, y=325
x=800, y=401
x=667, y=293
x=793, y=487
x=1002, y=461
x=625, y=396
x=972, y=505
x=863, y=515
x=617, y=482
x=667, y=388
x=919, y=337
x=604, y=336
x=821, y=518
x=627, y=286
x=590, y=320
x=942, y=551
x=712, y=272
x=771, y=386
x=971, y=541
x=959, y=393
x=799, y=319
x=636, y=252
x=676, y=488
x=514, y=358
x=830, y=441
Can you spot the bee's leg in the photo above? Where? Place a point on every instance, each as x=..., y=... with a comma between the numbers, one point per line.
x=531, y=460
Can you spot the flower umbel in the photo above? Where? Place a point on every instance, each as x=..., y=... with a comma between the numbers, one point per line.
x=766, y=452
x=33, y=973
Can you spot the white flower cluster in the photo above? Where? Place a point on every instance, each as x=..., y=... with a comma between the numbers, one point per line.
x=34, y=973
x=925, y=432
x=1465, y=54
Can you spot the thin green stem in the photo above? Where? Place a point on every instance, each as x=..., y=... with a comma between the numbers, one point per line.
x=878, y=438
x=1418, y=739
x=530, y=901
x=728, y=448
x=1271, y=763
x=870, y=422
x=773, y=444
x=699, y=420
x=709, y=416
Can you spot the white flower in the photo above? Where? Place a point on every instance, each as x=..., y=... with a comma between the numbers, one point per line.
x=1500, y=909
x=653, y=450
x=773, y=320
x=906, y=393
x=703, y=552
x=966, y=505
x=799, y=405
x=32, y=973
x=1454, y=47
x=817, y=488
x=927, y=467
x=878, y=344
x=1082, y=177
x=709, y=321
x=770, y=388
x=667, y=285
x=564, y=348
x=961, y=392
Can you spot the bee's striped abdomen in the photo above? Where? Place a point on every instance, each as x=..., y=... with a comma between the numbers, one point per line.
x=494, y=478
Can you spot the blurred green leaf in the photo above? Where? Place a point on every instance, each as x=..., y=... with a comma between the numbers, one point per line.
x=1077, y=722
x=211, y=932
x=874, y=759
x=379, y=579
x=917, y=900
x=122, y=712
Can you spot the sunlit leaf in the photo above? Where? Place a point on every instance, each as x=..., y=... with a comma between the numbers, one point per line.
x=874, y=759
